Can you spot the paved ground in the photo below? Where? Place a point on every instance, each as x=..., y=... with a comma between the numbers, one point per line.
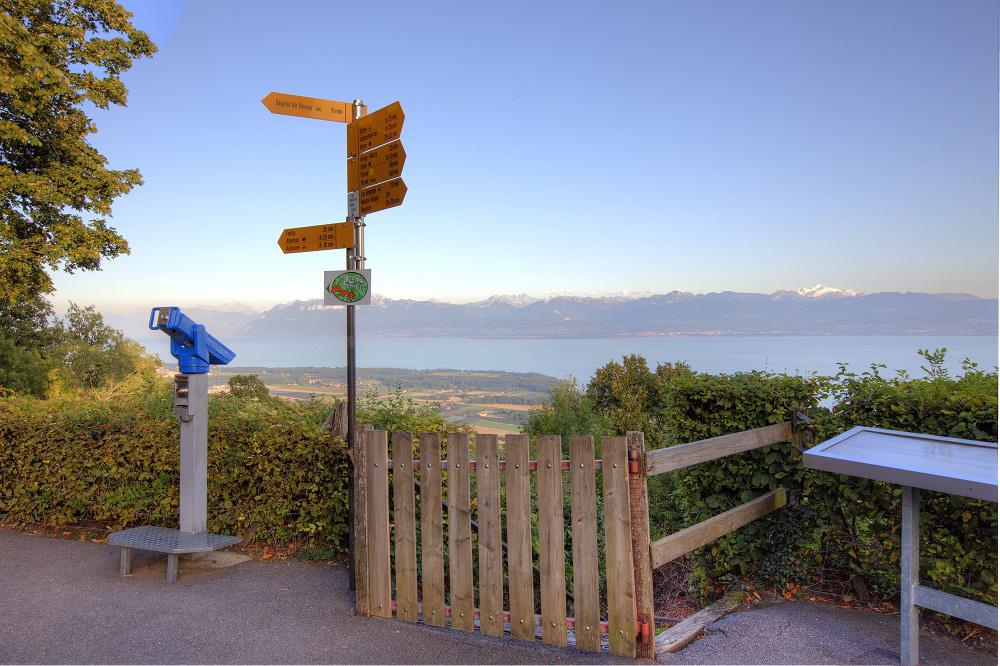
x=809, y=633
x=62, y=602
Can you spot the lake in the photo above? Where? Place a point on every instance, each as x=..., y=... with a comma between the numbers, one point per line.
x=580, y=357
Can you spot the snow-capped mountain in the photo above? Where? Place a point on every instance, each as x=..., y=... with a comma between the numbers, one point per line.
x=817, y=310
x=819, y=291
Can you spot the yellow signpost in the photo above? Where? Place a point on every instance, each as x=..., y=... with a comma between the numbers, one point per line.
x=375, y=166
x=336, y=236
x=309, y=107
x=375, y=159
x=376, y=128
x=379, y=197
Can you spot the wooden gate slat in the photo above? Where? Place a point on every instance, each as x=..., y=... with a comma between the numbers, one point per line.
x=551, y=557
x=431, y=530
x=618, y=547
x=521, y=579
x=359, y=461
x=405, y=523
x=490, y=548
x=583, y=504
x=460, y=533
x=379, y=574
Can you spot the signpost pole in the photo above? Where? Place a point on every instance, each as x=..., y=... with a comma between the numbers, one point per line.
x=355, y=260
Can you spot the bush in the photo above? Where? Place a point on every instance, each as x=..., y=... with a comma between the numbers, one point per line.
x=861, y=519
x=838, y=533
x=274, y=472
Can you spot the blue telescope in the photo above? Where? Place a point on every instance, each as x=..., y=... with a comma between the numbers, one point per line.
x=190, y=343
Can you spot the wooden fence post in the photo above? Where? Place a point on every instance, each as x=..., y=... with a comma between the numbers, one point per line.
x=379, y=567
x=618, y=547
x=639, y=510
x=359, y=548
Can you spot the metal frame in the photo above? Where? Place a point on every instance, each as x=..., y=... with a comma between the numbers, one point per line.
x=914, y=596
x=166, y=540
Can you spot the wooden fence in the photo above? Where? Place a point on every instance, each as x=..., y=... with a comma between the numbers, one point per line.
x=400, y=498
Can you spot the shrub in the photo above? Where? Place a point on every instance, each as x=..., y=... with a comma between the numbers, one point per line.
x=112, y=458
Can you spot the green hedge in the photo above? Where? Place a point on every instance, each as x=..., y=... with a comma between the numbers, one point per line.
x=861, y=519
x=274, y=473
x=837, y=533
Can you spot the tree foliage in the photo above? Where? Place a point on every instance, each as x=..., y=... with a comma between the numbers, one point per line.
x=248, y=387
x=56, y=190
x=42, y=355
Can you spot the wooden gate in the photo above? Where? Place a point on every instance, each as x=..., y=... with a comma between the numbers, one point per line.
x=414, y=554
x=391, y=579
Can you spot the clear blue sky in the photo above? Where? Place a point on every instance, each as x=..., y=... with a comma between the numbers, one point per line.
x=564, y=147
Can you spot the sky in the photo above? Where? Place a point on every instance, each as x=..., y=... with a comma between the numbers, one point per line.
x=562, y=147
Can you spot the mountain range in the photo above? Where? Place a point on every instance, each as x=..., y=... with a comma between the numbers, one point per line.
x=816, y=310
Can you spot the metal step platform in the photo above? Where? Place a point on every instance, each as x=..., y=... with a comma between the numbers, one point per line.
x=165, y=540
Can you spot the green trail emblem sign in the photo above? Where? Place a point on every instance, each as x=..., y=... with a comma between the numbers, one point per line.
x=347, y=287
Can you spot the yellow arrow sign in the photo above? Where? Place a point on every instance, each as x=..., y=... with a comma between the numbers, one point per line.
x=320, y=237
x=309, y=107
x=376, y=166
x=376, y=128
x=379, y=197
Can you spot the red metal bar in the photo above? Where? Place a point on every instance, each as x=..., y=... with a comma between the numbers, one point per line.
x=640, y=629
x=532, y=465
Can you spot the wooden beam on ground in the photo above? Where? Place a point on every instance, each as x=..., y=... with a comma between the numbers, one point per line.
x=683, y=542
x=685, y=631
x=692, y=453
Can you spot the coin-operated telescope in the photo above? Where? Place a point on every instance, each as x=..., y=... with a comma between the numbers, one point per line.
x=195, y=350
x=190, y=343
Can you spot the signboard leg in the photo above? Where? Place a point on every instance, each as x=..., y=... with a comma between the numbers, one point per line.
x=194, y=457
x=909, y=613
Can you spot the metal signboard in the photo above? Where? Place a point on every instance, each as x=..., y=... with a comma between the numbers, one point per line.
x=309, y=107
x=351, y=287
x=946, y=464
x=336, y=236
x=379, y=197
x=376, y=128
x=376, y=166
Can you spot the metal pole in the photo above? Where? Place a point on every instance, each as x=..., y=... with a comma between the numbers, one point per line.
x=352, y=379
x=909, y=612
x=193, y=388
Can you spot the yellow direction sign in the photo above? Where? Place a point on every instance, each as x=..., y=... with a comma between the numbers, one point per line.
x=375, y=166
x=376, y=128
x=309, y=107
x=320, y=237
x=379, y=197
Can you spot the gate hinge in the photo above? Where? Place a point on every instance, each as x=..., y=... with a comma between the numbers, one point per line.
x=642, y=630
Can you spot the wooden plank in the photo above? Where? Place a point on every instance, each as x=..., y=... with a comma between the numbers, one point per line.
x=460, y=533
x=692, y=453
x=618, y=548
x=686, y=630
x=431, y=530
x=638, y=498
x=404, y=519
x=551, y=554
x=359, y=524
x=583, y=505
x=683, y=542
x=490, y=539
x=519, y=573
x=379, y=573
